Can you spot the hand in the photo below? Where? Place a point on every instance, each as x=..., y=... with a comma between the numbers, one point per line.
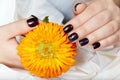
x=96, y=23
x=8, y=43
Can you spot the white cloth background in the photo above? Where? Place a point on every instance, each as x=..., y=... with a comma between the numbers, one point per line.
x=90, y=65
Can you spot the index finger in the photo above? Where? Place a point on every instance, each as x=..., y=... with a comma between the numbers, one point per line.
x=18, y=28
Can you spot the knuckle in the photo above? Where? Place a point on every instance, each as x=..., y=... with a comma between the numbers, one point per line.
x=85, y=30
x=106, y=15
x=115, y=23
x=76, y=21
x=114, y=26
x=91, y=8
x=95, y=6
x=82, y=32
x=92, y=38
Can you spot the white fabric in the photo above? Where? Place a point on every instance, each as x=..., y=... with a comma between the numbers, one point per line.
x=90, y=65
x=7, y=11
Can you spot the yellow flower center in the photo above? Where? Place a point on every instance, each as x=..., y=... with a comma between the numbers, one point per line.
x=46, y=50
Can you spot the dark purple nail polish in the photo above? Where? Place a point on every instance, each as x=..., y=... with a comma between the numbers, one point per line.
x=34, y=17
x=73, y=37
x=96, y=45
x=75, y=7
x=32, y=22
x=68, y=28
x=84, y=41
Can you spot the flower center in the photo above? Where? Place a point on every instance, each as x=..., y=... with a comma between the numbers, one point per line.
x=46, y=50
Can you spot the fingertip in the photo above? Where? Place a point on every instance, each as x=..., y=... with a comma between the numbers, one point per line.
x=32, y=22
x=79, y=7
x=20, y=27
x=96, y=45
x=76, y=5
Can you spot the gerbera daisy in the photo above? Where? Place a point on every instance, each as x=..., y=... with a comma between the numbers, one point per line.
x=46, y=51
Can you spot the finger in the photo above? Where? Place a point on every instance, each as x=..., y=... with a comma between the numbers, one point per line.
x=79, y=8
x=93, y=24
x=107, y=41
x=104, y=32
x=19, y=27
x=92, y=10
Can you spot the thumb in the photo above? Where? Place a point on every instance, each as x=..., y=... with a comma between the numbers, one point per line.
x=79, y=7
x=19, y=27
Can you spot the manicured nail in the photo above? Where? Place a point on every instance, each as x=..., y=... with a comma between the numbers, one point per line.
x=84, y=41
x=32, y=22
x=75, y=7
x=68, y=28
x=96, y=45
x=34, y=17
x=73, y=37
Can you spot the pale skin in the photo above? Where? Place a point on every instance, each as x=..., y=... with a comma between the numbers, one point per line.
x=8, y=52
x=97, y=20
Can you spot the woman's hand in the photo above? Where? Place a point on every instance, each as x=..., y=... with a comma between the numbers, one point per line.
x=96, y=23
x=8, y=43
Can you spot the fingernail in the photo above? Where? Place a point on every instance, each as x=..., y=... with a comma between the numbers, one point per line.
x=32, y=22
x=75, y=7
x=34, y=17
x=96, y=45
x=68, y=28
x=84, y=41
x=73, y=37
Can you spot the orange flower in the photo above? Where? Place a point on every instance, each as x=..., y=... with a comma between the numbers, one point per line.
x=46, y=51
